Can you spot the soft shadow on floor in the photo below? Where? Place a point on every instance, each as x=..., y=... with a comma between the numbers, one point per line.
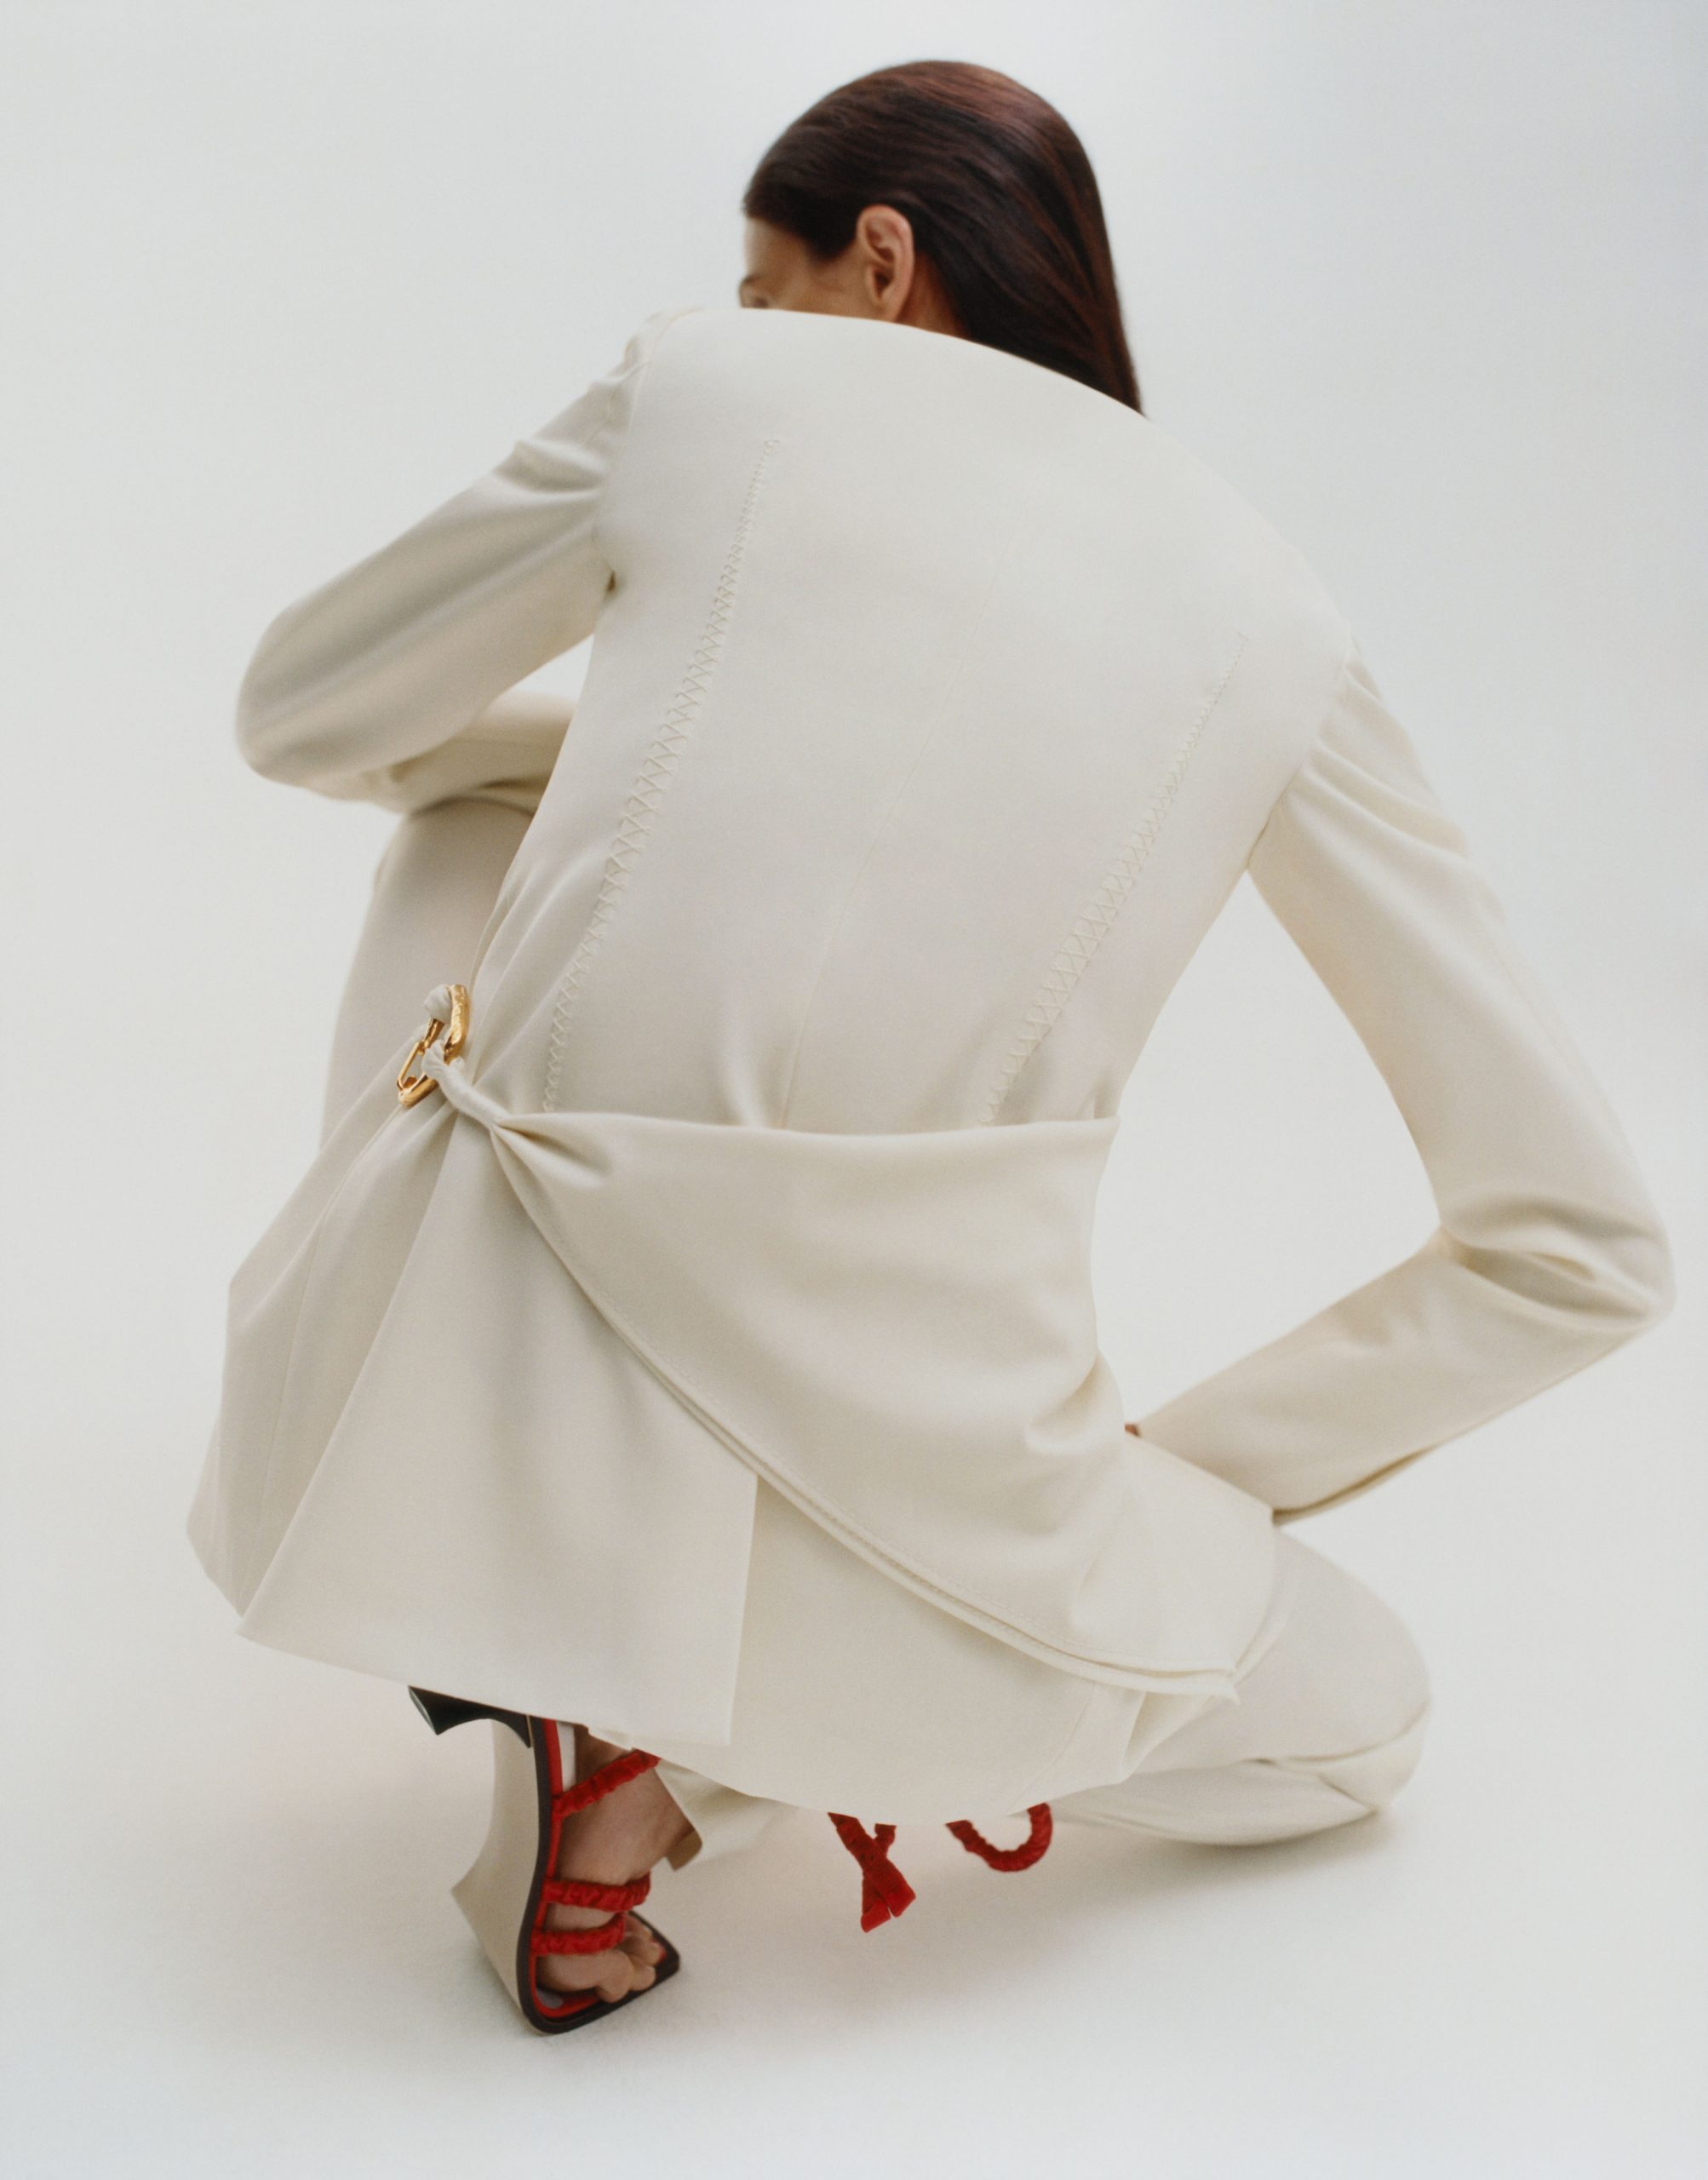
x=323, y=1917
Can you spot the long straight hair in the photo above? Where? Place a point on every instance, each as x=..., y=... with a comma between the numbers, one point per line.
x=1000, y=194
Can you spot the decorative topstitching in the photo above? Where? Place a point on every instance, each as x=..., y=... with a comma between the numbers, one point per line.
x=1096, y=918
x=657, y=770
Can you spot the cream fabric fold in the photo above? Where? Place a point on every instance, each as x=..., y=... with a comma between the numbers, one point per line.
x=929, y=1390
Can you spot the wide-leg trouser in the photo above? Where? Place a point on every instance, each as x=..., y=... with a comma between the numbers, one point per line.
x=1330, y=1718
x=1328, y=1727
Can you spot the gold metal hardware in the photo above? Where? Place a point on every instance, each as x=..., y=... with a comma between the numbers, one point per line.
x=412, y=1088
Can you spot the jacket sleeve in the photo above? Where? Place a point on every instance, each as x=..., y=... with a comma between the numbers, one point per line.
x=504, y=755
x=384, y=684
x=1550, y=1252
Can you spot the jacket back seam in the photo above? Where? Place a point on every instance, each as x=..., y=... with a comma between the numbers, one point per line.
x=1094, y=922
x=658, y=770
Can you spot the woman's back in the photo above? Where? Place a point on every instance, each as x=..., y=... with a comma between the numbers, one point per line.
x=934, y=708
x=936, y=705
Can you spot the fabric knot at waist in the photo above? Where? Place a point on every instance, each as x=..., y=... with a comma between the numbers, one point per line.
x=898, y=1332
x=462, y=1091
x=435, y=1059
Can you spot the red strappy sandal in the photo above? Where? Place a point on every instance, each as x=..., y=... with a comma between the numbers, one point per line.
x=507, y=1892
x=885, y=1893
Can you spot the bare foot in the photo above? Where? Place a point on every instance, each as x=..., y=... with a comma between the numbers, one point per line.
x=614, y=1840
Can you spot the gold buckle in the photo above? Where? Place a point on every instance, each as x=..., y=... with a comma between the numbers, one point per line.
x=412, y=1088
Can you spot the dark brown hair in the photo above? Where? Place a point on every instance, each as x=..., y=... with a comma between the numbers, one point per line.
x=1000, y=195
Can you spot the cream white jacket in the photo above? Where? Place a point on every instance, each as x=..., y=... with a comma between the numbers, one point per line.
x=712, y=1356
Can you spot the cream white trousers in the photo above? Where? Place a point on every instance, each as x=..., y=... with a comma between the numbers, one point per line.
x=1331, y=1708
x=1328, y=1727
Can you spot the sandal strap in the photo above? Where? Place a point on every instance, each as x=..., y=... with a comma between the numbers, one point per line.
x=603, y=1937
x=606, y=1780
x=885, y=1893
x=583, y=1892
x=580, y=1892
x=1031, y=1849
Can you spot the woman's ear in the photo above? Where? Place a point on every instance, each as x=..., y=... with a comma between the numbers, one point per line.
x=885, y=259
x=893, y=279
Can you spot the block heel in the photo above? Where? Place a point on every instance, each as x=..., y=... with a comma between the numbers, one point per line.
x=442, y=1713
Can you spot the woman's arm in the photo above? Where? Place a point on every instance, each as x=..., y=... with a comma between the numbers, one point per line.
x=407, y=650
x=1550, y=1251
x=504, y=755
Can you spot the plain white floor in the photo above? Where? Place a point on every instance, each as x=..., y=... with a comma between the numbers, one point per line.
x=1420, y=279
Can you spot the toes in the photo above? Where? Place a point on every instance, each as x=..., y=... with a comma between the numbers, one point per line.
x=630, y=1966
x=608, y=1975
x=620, y=1974
x=642, y=1946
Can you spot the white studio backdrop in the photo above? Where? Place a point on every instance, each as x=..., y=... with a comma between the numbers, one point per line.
x=1425, y=282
